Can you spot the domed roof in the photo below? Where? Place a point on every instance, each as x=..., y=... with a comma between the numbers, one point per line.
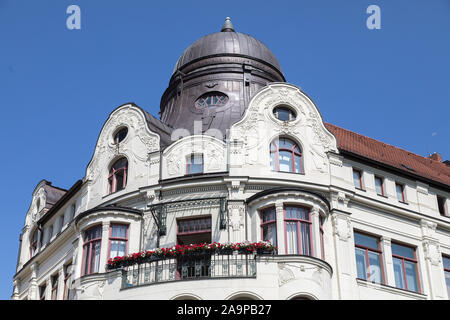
x=228, y=42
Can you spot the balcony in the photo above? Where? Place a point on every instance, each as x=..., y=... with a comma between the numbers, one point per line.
x=190, y=267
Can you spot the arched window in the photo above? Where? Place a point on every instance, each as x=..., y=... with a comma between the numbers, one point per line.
x=285, y=155
x=117, y=178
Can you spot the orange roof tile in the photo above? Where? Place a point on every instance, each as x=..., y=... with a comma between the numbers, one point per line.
x=395, y=157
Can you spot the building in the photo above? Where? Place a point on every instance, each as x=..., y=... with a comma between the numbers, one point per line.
x=239, y=160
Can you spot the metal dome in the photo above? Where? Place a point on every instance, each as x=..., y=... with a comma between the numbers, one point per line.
x=227, y=42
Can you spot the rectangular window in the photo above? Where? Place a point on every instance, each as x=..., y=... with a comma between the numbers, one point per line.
x=91, y=249
x=269, y=225
x=297, y=221
x=357, y=179
x=446, y=263
x=405, y=267
x=54, y=282
x=400, y=189
x=369, y=258
x=194, y=230
x=379, y=185
x=67, y=280
x=194, y=164
x=118, y=240
x=441, y=205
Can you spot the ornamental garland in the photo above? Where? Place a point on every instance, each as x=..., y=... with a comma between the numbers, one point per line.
x=190, y=249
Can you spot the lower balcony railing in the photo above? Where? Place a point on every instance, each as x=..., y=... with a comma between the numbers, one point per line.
x=202, y=266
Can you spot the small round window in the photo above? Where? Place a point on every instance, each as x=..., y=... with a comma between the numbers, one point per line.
x=284, y=113
x=211, y=99
x=120, y=135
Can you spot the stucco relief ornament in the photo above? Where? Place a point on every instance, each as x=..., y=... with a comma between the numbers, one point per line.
x=432, y=252
x=284, y=274
x=173, y=165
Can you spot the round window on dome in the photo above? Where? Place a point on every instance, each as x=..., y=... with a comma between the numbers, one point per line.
x=211, y=99
x=120, y=135
x=284, y=113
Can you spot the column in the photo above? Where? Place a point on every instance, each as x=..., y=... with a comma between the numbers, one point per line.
x=344, y=255
x=33, y=293
x=60, y=292
x=15, y=295
x=279, y=210
x=388, y=265
x=104, y=246
x=315, y=219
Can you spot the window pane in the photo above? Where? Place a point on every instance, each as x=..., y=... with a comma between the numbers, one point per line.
x=379, y=185
x=119, y=180
x=286, y=144
x=285, y=159
x=306, y=239
x=292, y=238
x=403, y=251
x=95, y=257
x=446, y=262
x=361, y=266
x=447, y=281
x=366, y=241
x=398, y=272
x=399, y=189
x=270, y=233
x=298, y=164
x=357, y=179
x=283, y=114
x=375, y=267
x=411, y=276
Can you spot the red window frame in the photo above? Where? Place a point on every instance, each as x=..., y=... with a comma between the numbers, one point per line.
x=67, y=278
x=381, y=184
x=402, y=186
x=112, y=177
x=402, y=258
x=275, y=149
x=89, y=246
x=111, y=238
x=203, y=226
x=366, y=251
x=266, y=223
x=359, y=172
x=54, y=283
x=190, y=161
x=299, y=223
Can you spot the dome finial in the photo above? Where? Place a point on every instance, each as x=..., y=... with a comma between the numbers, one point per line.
x=227, y=26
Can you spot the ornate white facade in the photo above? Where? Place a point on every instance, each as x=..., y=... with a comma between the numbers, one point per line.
x=237, y=183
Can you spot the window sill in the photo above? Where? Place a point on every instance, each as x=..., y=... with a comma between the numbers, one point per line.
x=382, y=195
x=360, y=189
x=390, y=289
x=403, y=202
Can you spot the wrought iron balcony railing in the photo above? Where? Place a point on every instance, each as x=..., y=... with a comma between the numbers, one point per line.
x=198, y=266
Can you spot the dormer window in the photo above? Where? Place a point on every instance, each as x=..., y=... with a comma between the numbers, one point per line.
x=284, y=113
x=211, y=99
x=286, y=156
x=120, y=135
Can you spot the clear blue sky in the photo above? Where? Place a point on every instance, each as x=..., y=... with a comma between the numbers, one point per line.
x=58, y=86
